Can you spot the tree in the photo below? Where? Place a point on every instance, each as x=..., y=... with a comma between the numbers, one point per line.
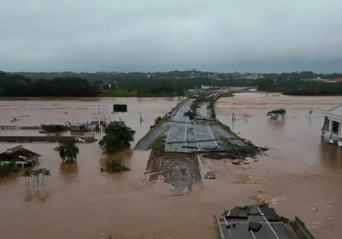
x=36, y=174
x=124, y=133
x=111, y=143
x=68, y=151
x=266, y=84
x=27, y=174
x=45, y=173
x=274, y=114
x=118, y=136
x=114, y=165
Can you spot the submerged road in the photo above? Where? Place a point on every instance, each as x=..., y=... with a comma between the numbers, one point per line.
x=187, y=136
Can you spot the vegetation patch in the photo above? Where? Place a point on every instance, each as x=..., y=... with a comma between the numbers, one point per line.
x=35, y=174
x=16, y=85
x=53, y=128
x=227, y=94
x=158, y=144
x=68, y=151
x=136, y=93
x=160, y=121
x=118, y=137
x=7, y=169
x=112, y=164
x=274, y=114
x=291, y=85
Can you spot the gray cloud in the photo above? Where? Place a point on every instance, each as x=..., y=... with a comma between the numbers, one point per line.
x=151, y=35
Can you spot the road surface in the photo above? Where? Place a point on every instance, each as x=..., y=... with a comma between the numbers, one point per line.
x=188, y=136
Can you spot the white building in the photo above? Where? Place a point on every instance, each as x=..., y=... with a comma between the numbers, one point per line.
x=332, y=126
x=207, y=87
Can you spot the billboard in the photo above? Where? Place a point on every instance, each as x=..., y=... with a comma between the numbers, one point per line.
x=119, y=108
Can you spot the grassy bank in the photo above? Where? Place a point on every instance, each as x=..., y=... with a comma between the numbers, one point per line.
x=227, y=94
x=213, y=100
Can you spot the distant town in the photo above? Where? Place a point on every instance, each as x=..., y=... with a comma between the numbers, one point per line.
x=161, y=84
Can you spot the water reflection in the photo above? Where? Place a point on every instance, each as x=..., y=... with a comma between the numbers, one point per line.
x=69, y=172
x=37, y=195
x=331, y=155
x=13, y=178
x=277, y=125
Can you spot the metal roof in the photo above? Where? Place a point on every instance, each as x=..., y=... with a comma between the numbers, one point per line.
x=259, y=221
x=335, y=112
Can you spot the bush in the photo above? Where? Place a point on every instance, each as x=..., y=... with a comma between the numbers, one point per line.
x=5, y=170
x=118, y=137
x=114, y=165
x=53, y=128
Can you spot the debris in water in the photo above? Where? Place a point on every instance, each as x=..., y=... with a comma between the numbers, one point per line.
x=210, y=175
x=236, y=162
x=214, y=155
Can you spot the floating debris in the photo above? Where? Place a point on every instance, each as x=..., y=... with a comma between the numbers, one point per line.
x=210, y=175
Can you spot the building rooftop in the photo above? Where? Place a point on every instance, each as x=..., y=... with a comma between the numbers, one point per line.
x=259, y=221
x=334, y=112
x=19, y=152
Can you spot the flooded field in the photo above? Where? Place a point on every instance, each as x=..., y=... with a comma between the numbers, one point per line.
x=300, y=176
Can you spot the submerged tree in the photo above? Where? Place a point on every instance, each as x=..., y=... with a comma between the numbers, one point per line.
x=125, y=134
x=111, y=144
x=114, y=165
x=45, y=173
x=27, y=174
x=68, y=151
x=118, y=136
x=36, y=174
x=274, y=114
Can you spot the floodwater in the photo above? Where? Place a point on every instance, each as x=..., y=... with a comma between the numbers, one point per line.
x=301, y=176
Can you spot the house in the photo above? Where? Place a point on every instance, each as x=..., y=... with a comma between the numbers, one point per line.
x=206, y=87
x=332, y=129
x=50, y=128
x=259, y=221
x=78, y=127
x=19, y=156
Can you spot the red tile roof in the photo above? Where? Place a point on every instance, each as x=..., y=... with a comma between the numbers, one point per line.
x=19, y=152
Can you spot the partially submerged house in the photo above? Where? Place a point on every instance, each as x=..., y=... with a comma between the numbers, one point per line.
x=259, y=221
x=19, y=156
x=89, y=126
x=78, y=128
x=52, y=128
x=332, y=126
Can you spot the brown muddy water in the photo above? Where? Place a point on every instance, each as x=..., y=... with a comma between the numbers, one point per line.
x=301, y=176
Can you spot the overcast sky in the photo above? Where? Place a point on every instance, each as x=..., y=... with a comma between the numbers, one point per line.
x=160, y=35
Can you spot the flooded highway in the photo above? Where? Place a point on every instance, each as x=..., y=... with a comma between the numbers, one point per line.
x=300, y=176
